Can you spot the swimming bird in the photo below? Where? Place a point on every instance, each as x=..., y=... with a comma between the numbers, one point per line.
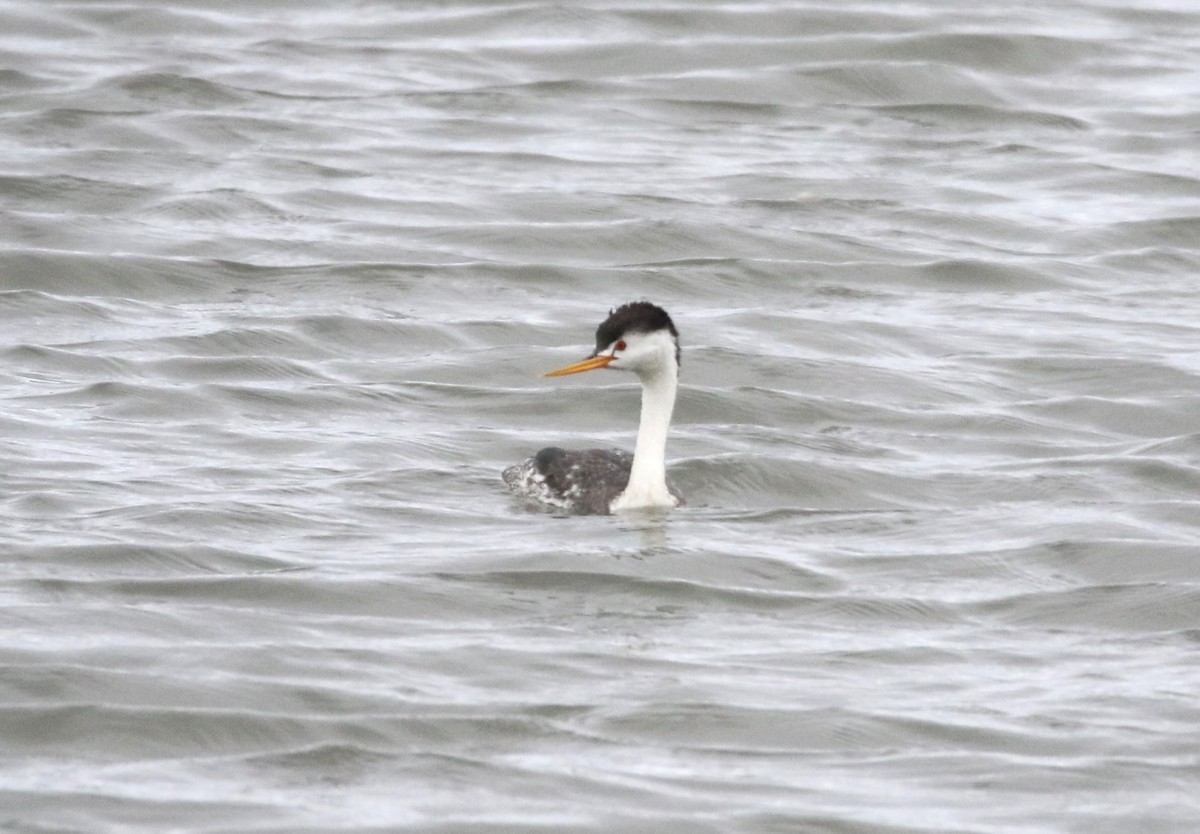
x=638, y=337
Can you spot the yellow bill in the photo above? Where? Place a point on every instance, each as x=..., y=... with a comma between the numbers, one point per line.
x=589, y=364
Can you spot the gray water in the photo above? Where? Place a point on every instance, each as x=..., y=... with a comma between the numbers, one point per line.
x=277, y=285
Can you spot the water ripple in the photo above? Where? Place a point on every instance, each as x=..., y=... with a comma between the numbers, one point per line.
x=278, y=291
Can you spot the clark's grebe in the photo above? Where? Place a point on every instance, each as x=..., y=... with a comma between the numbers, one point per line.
x=638, y=337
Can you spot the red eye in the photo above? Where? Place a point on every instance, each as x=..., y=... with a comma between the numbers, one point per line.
x=621, y=345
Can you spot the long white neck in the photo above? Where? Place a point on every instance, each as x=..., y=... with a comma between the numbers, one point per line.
x=648, y=480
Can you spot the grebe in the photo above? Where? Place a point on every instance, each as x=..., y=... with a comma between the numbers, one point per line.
x=638, y=337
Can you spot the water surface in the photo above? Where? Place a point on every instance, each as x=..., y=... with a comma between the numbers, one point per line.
x=277, y=288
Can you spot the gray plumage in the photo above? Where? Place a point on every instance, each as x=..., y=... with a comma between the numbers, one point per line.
x=582, y=482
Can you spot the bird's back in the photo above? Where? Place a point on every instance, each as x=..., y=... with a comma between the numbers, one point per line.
x=578, y=481
x=583, y=481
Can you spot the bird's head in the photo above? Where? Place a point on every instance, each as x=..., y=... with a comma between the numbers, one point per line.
x=638, y=337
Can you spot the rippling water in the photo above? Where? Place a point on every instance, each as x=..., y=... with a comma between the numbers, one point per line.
x=276, y=290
